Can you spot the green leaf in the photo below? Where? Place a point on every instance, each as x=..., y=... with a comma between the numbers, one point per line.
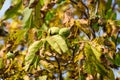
x=105, y=72
x=10, y=55
x=42, y=2
x=81, y=77
x=1, y=63
x=37, y=59
x=30, y=58
x=95, y=26
x=53, y=44
x=118, y=22
x=101, y=69
x=57, y=43
x=49, y=16
x=108, y=5
x=19, y=36
x=37, y=18
x=96, y=52
x=33, y=49
x=108, y=15
x=44, y=27
x=89, y=67
x=88, y=52
x=61, y=42
x=92, y=51
x=110, y=75
x=12, y=11
x=39, y=34
x=117, y=59
x=26, y=14
x=118, y=40
x=27, y=17
x=114, y=15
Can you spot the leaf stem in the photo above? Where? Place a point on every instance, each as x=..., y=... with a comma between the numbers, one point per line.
x=60, y=72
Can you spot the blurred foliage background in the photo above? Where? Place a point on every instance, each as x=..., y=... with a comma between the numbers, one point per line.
x=60, y=40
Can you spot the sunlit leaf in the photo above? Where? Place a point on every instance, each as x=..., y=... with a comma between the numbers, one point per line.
x=20, y=36
x=43, y=77
x=44, y=63
x=53, y=44
x=17, y=37
x=10, y=55
x=26, y=14
x=26, y=19
x=31, y=57
x=96, y=52
x=58, y=43
x=89, y=67
x=44, y=27
x=33, y=49
x=78, y=57
x=61, y=42
x=26, y=77
x=42, y=2
x=92, y=51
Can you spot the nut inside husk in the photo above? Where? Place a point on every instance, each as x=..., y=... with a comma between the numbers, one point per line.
x=10, y=55
x=64, y=32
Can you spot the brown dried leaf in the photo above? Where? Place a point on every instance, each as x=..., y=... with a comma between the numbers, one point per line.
x=83, y=21
x=67, y=16
x=26, y=3
x=34, y=4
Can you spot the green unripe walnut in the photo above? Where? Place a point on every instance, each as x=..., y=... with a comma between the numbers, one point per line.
x=54, y=30
x=64, y=32
x=10, y=55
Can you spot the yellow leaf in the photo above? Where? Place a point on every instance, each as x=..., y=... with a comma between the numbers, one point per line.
x=78, y=57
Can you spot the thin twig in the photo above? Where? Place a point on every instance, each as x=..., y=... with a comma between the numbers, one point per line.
x=60, y=72
x=114, y=4
x=85, y=7
x=86, y=14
